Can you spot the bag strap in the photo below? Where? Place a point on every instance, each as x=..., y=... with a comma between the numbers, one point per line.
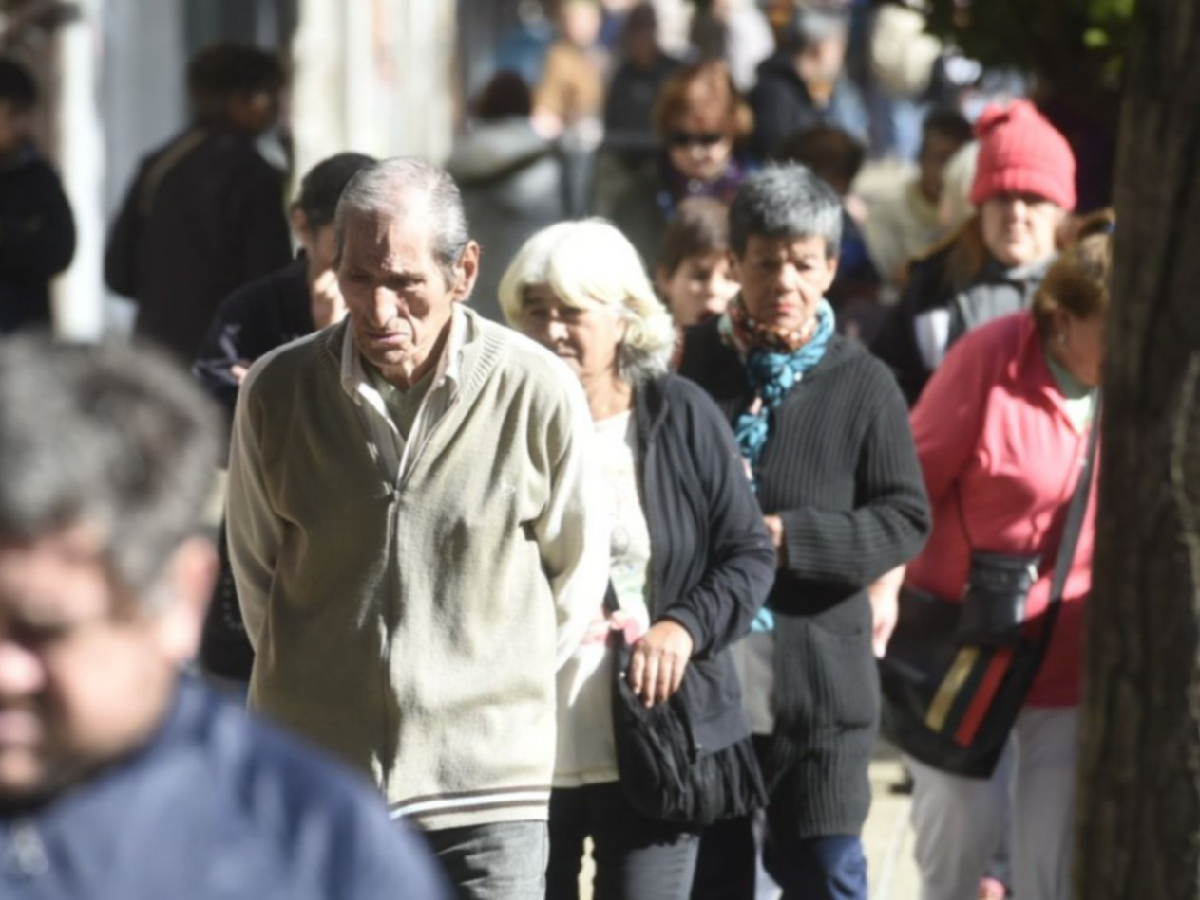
x=1075, y=513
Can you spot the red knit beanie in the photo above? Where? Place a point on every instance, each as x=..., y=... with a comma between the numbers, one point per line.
x=1020, y=151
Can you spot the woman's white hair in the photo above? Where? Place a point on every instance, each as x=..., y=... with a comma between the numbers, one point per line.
x=591, y=265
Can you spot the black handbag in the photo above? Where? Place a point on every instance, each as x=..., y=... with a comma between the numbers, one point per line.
x=663, y=773
x=954, y=679
x=993, y=600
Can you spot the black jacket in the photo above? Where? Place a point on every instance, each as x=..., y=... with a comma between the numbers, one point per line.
x=37, y=239
x=994, y=292
x=783, y=106
x=250, y=322
x=215, y=806
x=711, y=556
x=204, y=216
x=841, y=471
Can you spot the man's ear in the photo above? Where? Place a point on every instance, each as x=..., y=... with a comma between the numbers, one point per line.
x=466, y=271
x=188, y=582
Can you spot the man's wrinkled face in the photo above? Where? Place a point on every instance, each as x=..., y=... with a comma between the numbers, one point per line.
x=400, y=300
x=84, y=676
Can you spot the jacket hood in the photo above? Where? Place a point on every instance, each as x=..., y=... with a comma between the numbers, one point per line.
x=493, y=149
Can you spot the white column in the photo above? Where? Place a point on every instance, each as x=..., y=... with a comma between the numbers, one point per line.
x=373, y=76
x=78, y=300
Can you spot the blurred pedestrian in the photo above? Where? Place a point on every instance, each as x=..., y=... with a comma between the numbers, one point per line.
x=690, y=560
x=205, y=213
x=569, y=100
x=413, y=530
x=805, y=82
x=700, y=121
x=905, y=223
x=736, y=32
x=37, y=231
x=118, y=776
x=1024, y=187
x=298, y=299
x=693, y=271
x=1002, y=432
x=824, y=433
x=512, y=182
x=633, y=91
x=629, y=155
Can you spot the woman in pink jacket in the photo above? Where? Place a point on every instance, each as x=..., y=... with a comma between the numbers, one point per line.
x=1001, y=431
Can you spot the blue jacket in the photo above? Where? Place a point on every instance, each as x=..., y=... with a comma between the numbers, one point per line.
x=216, y=805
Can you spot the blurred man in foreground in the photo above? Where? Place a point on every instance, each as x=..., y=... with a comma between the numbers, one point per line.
x=119, y=778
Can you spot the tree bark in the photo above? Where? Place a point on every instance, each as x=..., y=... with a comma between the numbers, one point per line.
x=1138, y=814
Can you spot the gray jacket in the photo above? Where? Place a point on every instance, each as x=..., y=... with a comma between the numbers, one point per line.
x=512, y=185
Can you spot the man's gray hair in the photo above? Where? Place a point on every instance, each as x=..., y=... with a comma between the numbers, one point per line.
x=785, y=201
x=393, y=187
x=112, y=437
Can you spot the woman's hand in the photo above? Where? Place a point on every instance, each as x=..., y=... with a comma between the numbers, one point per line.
x=659, y=660
x=884, y=595
x=778, y=539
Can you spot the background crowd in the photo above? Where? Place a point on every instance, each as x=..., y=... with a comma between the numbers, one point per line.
x=837, y=327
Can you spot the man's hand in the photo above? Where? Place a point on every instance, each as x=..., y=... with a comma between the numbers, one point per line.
x=238, y=370
x=778, y=539
x=659, y=660
x=884, y=595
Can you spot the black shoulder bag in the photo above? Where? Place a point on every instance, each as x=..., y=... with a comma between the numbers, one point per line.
x=957, y=673
x=663, y=773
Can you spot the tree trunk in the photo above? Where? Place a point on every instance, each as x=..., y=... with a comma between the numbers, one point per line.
x=1138, y=820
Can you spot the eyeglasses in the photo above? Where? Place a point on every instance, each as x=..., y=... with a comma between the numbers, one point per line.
x=687, y=139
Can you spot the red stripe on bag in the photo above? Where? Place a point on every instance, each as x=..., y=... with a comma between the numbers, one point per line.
x=982, y=701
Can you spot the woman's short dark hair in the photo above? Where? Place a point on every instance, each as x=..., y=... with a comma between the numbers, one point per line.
x=505, y=96
x=785, y=201
x=834, y=155
x=949, y=123
x=321, y=188
x=700, y=227
x=220, y=71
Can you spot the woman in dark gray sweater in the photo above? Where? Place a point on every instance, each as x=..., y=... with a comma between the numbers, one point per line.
x=824, y=431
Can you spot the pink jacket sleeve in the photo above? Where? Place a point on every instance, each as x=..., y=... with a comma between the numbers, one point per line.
x=947, y=420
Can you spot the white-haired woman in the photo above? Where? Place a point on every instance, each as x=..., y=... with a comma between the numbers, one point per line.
x=691, y=559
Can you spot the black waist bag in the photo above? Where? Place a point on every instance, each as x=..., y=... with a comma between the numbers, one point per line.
x=663, y=773
x=993, y=602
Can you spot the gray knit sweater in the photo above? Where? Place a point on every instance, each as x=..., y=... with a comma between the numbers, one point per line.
x=412, y=622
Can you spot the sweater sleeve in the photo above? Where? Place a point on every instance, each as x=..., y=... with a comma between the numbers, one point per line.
x=570, y=532
x=891, y=520
x=947, y=419
x=254, y=530
x=741, y=560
